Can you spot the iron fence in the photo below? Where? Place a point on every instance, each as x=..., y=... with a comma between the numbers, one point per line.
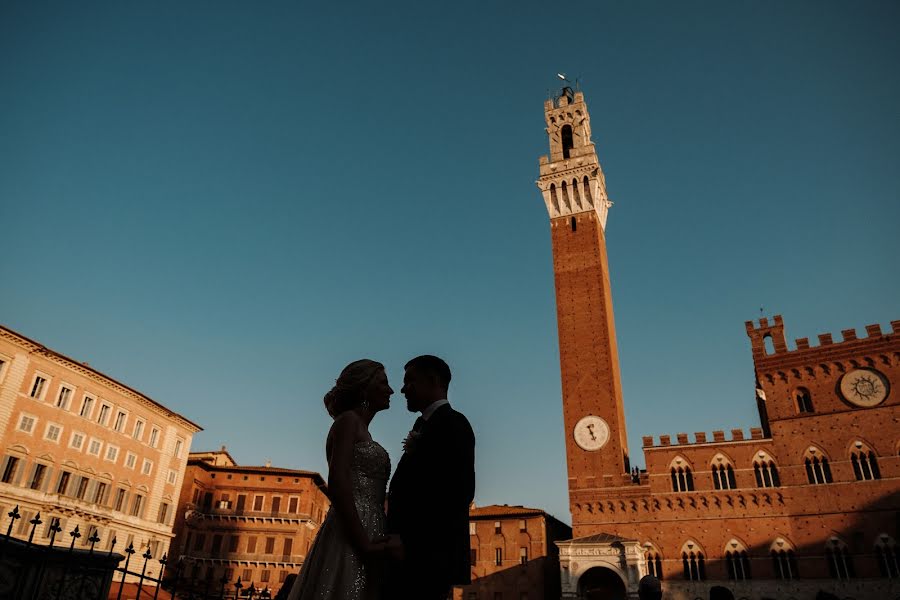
x=33, y=571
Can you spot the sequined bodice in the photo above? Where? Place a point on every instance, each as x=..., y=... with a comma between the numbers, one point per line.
x=333, y=570
x=369, y=472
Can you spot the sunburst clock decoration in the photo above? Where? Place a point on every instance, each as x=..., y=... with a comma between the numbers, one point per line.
x=864, y=387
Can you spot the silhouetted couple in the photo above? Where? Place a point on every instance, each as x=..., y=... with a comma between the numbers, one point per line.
x=420, y=548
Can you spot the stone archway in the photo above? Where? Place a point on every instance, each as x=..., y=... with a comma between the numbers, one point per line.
x=600, y=583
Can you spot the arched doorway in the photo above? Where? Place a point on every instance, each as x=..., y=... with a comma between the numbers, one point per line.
x=600, y=583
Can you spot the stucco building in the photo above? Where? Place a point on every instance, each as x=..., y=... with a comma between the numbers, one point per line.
x=86, y=449
x=807, y=501
x=255, y=523
x=513, y=554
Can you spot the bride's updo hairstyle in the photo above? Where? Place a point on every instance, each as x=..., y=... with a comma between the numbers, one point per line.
x=349, y=390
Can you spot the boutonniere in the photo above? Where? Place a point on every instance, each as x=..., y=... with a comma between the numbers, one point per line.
x=409, y=444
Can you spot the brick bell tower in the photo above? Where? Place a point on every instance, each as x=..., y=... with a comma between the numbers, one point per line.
x=574, y=191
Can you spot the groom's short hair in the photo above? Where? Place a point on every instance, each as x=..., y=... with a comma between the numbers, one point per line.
x=433, y=366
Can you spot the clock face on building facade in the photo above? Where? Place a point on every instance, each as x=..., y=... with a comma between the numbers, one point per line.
x=591, y=433
x=864, y=387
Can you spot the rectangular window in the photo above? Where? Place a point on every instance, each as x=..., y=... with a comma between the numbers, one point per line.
x=473, y=556
x=138, y=430
x=10, y=471
x=293, y=504
x=154, y=437
x=199, y=541
x=91, y=532
x=276, y=504
x=37, y=479
x=248, y=575
x=94, y=447
x=37, y=388
x=216, y=543
x=251, y=544
x=81, y=491
x=26, y=423
x=64, y=398
x=288, y=547
x=523, y=555
x=163, y=517
x=257, y=503
x=63, y=484
x=498, y=556
x=471, y=528
x=496, y=526
x=233, y=543
x=130, y=460
x=523, y=526
x=77, y=440
x=100, y=493
x=270, y=545
x=103, y=417
x=137, y=505
x=53, y=433
x=121, y=417
x=282, y=576
x=112, y=453
x=120, y=499
x=86, y=407
x=148, y=466
x=172, y=477
x=154, y=548
x=241, y=503
x=179, y=445
x=266, y=574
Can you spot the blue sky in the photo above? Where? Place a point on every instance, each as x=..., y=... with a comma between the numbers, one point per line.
x=222, y=203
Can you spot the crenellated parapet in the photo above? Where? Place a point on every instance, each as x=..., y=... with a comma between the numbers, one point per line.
x=701, y=439
x=852, y=351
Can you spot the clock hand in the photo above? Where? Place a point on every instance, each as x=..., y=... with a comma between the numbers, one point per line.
x=591, y=431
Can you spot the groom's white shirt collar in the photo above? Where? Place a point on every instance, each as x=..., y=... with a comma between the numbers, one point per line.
x=429, y=410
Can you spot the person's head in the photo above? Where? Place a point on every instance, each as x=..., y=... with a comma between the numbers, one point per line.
x=362, y=384
x=649, y=588
x=718, y=592
x=426, y=380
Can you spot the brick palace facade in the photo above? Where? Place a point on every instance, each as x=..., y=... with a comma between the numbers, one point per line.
x=255, y=523
x=808, y=501
x=513, y=554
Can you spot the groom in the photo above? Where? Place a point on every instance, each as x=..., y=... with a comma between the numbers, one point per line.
x=432, y=488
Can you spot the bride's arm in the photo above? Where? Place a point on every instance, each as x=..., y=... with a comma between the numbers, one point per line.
x=340, y=487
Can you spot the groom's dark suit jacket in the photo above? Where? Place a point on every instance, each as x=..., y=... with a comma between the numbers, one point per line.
x=429, y=498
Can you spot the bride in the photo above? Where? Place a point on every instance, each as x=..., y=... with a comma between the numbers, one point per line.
x=342, y=560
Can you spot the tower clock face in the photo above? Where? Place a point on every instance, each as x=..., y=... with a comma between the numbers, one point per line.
x=864, y=387
x=591, y=433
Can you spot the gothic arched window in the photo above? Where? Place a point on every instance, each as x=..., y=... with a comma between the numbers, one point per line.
x=784, y=562
x=682, y=479
x=887, y=554
x=554, y=198
x=865, y=463
x=737, y=561
x=817, y=469
x=723, y=477
x=840, y=563
x=693, y=562
x=765, y=471
x=653, y=561
x=567, y=141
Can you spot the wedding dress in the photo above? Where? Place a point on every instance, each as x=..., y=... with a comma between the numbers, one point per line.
x=332, y=570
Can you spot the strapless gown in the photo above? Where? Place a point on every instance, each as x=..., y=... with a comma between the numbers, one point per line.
x=332, y=569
